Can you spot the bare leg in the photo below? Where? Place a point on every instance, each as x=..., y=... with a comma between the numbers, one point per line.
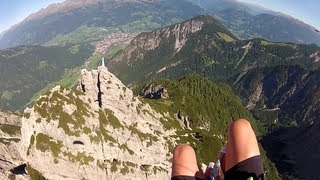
x=185, y=162
x=242, y=143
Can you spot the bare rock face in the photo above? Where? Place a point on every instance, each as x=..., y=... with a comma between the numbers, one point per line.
x=10, y=135
x=150, y=41
x=98, y=131
x=316, y=56
x=11, y=118
x=153, y=91
x=255, y=97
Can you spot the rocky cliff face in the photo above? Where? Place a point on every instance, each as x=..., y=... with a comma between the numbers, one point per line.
x=157, y=53
x=10, y=135
x=99, y=131
x=153, y=91
x=7, y=117
x=150, y=41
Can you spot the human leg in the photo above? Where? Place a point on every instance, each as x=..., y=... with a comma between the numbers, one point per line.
x=242, y=150
x=242, y=143
x=185, y=162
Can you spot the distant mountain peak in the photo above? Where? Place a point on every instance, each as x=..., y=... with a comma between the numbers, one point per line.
x=176, y=36
x=60, y=7
x=70, y=4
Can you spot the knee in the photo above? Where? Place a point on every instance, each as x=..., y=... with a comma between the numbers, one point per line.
x=184, y=162
x=240, y=125
x=183, y=148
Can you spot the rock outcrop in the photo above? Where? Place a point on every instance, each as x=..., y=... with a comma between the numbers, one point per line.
x=11, y=118
x=9, y=137
x=153, y=91
x=98, y=131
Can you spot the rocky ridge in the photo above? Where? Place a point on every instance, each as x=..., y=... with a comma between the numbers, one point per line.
x=150, y=41
x=100, y=131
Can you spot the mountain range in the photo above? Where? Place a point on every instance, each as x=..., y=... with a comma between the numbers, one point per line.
x=270, y=75
x=271, y=89
x=252, y=21
x=274, y=80
x=276, y=84
x=91, y=20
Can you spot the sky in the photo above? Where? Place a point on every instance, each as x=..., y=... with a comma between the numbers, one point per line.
x=306, y=10
x=14, y=11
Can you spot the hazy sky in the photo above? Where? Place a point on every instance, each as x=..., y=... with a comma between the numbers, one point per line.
x=306, y=10
x=14, y=11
